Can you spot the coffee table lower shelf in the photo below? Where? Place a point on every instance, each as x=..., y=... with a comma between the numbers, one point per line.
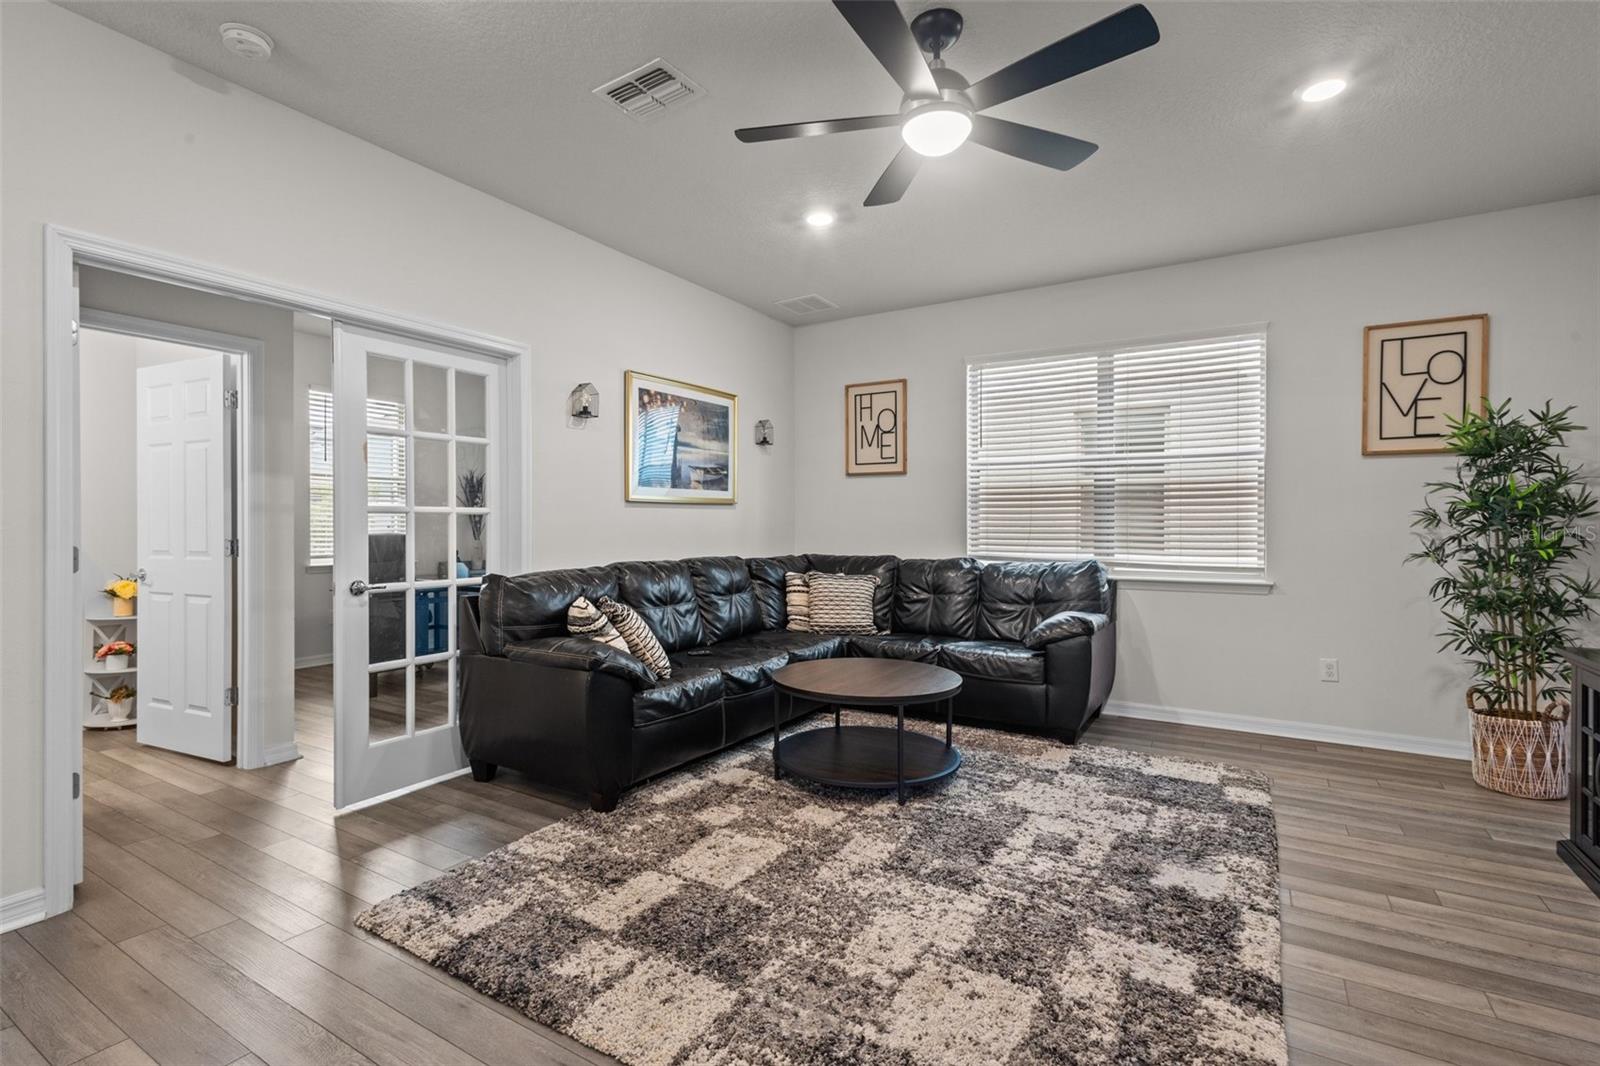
x=864, y=756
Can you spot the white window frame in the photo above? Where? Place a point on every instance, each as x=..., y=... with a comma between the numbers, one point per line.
x=1245, y=580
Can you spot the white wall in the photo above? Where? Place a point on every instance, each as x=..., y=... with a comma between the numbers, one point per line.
x=1337, y=523
x=313, y=585
x=105, y=135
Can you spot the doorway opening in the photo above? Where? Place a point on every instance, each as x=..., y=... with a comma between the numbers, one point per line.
x=380, y=718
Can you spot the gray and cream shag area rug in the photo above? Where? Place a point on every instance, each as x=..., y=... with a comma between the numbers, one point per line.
x=1047, y=904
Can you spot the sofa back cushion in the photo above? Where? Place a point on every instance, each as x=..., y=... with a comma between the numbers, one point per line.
x=663, y=594
x=883, y=567
x=766, y=578
x=938, y=596
x=1014, y=597
x=514, y=609
x=726, y=597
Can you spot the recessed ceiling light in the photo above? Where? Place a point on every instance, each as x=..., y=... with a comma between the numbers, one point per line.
x=1319, y=91
x=821, y=218
x=246, y=41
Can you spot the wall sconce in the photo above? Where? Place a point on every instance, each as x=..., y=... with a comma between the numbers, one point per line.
x=585, y=401
x=764, y=432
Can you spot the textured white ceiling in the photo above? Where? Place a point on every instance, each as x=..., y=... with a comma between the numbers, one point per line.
x=1454, y=108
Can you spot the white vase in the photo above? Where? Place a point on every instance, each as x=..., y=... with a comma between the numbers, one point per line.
x=116, y=662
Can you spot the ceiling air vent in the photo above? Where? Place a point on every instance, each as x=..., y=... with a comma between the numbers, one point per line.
x=644, y=93
x=810, y=304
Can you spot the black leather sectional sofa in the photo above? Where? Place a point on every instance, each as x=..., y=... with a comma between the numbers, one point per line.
x=1035, y=644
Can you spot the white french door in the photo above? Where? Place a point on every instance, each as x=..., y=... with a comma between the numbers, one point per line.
x=183, y=519
x=418, y=520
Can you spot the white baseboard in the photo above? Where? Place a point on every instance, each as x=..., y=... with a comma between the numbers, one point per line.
x=21, y=908
x=325, y=659
x=1278, y=727
x=280, y=753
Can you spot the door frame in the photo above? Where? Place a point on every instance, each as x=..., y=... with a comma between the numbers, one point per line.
x=246, y=356
x=64, y=251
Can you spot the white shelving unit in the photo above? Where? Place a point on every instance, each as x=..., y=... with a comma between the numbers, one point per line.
x=99, y=712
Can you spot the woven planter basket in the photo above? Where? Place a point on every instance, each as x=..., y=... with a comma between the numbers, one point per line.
x=1519, y=756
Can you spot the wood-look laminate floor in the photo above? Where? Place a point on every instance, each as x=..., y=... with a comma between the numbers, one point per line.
x=1425, y=920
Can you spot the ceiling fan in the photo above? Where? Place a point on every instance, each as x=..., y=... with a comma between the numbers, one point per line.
x=940, y=110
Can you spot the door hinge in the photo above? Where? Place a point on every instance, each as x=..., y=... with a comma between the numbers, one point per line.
x=74, y=333
x=230, y=547
x=230, y=399
x=77, y=784
x=230, y=697
x=74, y=558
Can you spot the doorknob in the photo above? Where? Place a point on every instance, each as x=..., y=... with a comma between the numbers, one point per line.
x=139, y=575
x=358, y=587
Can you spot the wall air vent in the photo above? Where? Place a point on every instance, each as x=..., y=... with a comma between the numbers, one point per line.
x=645, y=93
x=810, y=304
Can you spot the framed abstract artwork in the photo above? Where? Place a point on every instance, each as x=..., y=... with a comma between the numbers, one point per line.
x=680, y=441
x=1416, y=377
x=875, y=427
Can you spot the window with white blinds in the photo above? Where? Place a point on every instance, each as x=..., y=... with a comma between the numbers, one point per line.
x=319, y=410
x=386, y=471
x=1150, y=457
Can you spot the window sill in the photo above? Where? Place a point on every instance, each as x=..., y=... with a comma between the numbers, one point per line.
x=319, y=568
x=1241, y=586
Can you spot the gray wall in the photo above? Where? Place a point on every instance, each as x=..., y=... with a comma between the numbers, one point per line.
x=313, y=586
x=1337, y=523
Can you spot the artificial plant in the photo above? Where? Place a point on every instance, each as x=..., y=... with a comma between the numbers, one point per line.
x=1509, y=531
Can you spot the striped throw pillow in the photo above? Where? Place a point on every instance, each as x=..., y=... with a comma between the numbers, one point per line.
x=797, y=600
x=584, y=619
x=842, y=603
x=642, y=643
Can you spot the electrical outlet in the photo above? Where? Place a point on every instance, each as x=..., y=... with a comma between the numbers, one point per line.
x=1330, y=669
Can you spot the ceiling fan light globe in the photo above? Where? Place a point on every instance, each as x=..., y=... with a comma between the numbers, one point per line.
x=936, y=129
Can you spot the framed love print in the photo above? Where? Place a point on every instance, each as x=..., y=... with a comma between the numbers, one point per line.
x=1416, y=377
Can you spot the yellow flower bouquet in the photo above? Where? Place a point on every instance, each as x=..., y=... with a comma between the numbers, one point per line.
x=122, y=592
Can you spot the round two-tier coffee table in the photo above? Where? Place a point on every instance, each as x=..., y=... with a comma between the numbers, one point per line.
x=864, y=756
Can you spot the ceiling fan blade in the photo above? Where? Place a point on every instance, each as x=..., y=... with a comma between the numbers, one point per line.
x=1111, y=38
x=896, y=179
x=753, y=134
x=883, y=30
x=1031, y=143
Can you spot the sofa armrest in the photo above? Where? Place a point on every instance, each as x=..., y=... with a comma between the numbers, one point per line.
x=581, y=653
x=1065, y=624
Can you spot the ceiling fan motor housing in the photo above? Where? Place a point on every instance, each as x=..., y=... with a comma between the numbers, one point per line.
x=937, y=29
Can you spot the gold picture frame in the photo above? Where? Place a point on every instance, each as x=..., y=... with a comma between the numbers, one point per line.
x=875, y=428
x=1415, y=375
x=682, y=417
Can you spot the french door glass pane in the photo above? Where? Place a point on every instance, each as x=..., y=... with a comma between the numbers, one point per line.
x=434, y=562
x=430, y=396
x=433, y=473
x=472, y=418
x=472, y=535
x=471, y=464
x=435, y=685
x=386, y=470
x=386, y=627
x=386, y=393
x=386, y=704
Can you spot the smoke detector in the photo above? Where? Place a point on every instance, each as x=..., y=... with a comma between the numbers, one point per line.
x=246, y=41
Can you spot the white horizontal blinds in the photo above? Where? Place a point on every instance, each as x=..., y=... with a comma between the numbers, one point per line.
x=319, y=411
x=1150, y=457
x=386, y=471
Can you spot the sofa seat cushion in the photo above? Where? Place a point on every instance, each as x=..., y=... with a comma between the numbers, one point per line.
x=802, y=647
x=744, y=667
x=1001, y=660
x=917, y=647
x=689, y=689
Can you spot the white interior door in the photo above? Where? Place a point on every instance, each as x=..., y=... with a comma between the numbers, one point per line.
x=418, y=457
x=183, y=517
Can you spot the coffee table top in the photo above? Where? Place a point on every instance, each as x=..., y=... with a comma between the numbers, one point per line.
x=868, y=681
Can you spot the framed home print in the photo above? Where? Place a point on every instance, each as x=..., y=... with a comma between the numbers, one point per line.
x=680, y=441
x=875, y=427
x=1416, y=377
